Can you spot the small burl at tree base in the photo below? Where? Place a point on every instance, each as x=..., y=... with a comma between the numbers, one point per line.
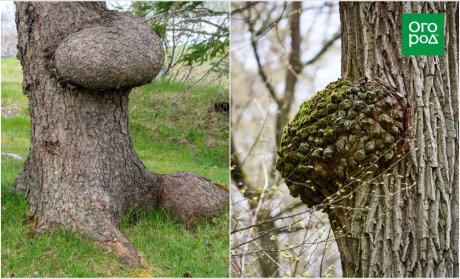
x=80, y=61
x=378, y=149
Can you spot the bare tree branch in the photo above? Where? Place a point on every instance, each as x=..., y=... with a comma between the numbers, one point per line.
x=255, y=35
x=293, y=70
x=324, y=252
x=261, y=70
x=244, y=8
x=323, y=50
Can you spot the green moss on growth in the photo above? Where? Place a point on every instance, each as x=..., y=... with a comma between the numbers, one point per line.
x=342, y=131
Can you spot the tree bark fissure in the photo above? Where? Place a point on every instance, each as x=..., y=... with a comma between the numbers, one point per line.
x=82, y=172
x=410, y=225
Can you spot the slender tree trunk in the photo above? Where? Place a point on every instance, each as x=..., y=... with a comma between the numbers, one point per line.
x=292, y=73
x=270, y=260
x=410, y=225
x=82, y=172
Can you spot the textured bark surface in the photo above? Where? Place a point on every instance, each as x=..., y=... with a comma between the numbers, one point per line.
x=82, y=172
x=405, y=223
x=120, y=53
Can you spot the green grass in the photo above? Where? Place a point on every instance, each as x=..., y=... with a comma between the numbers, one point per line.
x=186, y=130
x=169, y=136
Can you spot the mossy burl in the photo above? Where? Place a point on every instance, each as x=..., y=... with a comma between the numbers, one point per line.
x=342, y=131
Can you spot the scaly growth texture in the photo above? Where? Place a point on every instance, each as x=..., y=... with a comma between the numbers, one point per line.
x=343, y=131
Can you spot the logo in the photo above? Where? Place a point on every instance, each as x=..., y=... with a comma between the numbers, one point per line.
x=422, y=34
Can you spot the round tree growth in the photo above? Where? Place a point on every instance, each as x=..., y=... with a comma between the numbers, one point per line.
x=343, y=132
x=122, y=53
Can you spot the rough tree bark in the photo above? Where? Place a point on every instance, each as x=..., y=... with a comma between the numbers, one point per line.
x=79, y=62
x=410, y=227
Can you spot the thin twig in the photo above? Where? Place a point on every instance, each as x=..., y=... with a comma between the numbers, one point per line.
x=325, y=47
x=200, y=79
x=324, y=252
x=244, y=8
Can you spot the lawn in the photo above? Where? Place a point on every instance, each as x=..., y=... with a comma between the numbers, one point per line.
x=172, y=131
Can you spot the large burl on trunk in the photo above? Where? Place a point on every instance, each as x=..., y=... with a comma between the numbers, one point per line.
x=79, y=62
x=378, y=150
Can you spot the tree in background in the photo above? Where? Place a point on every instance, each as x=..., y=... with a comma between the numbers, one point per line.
x=193, y=33
x=79, y=62
x=274, y=41
x=9, y=35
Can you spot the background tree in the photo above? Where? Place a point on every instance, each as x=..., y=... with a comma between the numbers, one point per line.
x=410, y=225
x=194, y=33
x=9, y=35
x=275, y=46
x=79, y=62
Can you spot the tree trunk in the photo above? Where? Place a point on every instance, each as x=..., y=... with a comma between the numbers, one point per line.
x=292, y=73
x=409, y=225
x=79, y=62
x=270, y=260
